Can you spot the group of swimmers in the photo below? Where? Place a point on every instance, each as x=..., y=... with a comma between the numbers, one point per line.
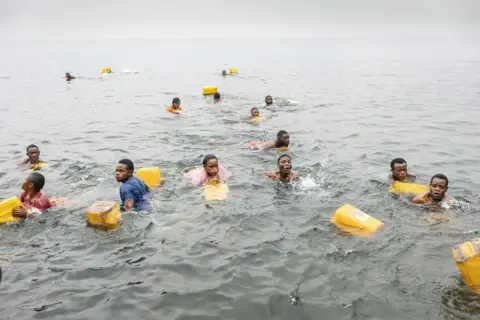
x=134, y=192
x=437, y=189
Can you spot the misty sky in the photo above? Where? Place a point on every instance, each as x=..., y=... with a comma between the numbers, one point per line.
x=94, y=19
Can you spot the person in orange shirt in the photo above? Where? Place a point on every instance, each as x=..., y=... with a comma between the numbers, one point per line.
x=175, y=107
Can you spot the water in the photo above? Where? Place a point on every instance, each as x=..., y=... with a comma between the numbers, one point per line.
x=269, y=252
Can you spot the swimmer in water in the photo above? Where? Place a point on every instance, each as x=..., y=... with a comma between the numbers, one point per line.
x=32, y=197
x=69, y=77
x=283, y=141
x=217, y=98
x=268, y=100
x=175, y=107
x=284, y=173
x=400, y=173
x=254, y=113
x=224, y=72
x=437, y=193
x=133, y=190
x=211, y=172
x=33, y=154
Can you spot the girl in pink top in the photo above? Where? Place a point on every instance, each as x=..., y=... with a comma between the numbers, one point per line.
x=210, y=172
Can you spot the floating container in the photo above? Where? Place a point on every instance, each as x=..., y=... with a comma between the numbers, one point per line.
x=354, y=221
x=467, y=258
x=209, y=90
x=257, y=119
x=408, y=188
x=151, y=176
x=215, y=192
x=104, y=215
x=6, y=209
x=38, y=166
x=233, y=70
x=106, y=70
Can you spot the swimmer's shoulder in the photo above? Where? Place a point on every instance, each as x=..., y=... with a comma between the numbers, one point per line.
x=270, y=174
x=420, y=198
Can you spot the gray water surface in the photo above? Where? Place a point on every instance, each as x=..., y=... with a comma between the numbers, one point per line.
x=268, y=252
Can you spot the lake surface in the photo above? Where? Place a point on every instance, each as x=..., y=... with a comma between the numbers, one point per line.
x=268, y=252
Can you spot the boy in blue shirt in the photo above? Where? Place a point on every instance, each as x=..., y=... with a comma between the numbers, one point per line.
x=133, y=189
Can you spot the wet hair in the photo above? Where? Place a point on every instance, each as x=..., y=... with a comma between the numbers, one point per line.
x=216, y=96
x=397, y=160
x=128, y=163
x=283, y=156
x=281, y=133
x=175, y=100
x=254, y=108
x=207, y=158
x=441, y=177
x=38, y=180
x=32, y=146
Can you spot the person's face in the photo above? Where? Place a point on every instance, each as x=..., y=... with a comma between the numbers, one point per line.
x=122, y=172
x=224, y=72
x=255, y=113
x=27, y=185
x=176, y=104
x=268, y=100
x=212, y=167
x=285, y=165
x=33, y=154
x=284, y=140
x=399, y=171
x=438, y=188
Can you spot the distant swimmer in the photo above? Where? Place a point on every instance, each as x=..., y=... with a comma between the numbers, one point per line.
x=211, y=172
x=268, y=100
x=175, y=107
x=32, y=197
x=224, y=72
x=33, y=160
x=133, y=190
x=284, y=172
x=398, y=167
x=217, y=98
x=283, y=141
x=437, y=193
x=69, y=77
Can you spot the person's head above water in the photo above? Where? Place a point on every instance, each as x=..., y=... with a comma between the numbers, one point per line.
x=224, y=72
x=33, y=154
x=284, y=163
x=438, y=187
x=254, y=112
x=210, y=163
x=176, y=103
x=67, y=74
x=268, y=100
x=33, y=183
x=124, y=170
x=283, y=139
x=217, y=97
x=399, y=169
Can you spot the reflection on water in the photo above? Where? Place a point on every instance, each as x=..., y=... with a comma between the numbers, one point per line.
x=269, y=251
